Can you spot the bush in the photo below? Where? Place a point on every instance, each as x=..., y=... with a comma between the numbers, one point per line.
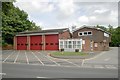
x=4, y=44
x=76, y=50
x=61, y=50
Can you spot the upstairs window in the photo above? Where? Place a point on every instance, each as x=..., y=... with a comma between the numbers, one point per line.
x=85, y=33
x=89, y=33
x=80, y=33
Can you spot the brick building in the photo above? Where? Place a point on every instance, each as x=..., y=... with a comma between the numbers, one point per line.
x=85, y=38
x=40, y=40
x=93, y=39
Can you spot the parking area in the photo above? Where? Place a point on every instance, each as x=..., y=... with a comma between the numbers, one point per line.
x=35, y=58
x=41, y=58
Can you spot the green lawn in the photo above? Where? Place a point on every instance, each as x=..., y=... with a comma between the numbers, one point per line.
x=69, y=54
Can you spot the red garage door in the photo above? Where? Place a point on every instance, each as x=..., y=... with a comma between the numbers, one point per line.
x=21, y=43
x=51, y=42
x=35, y=42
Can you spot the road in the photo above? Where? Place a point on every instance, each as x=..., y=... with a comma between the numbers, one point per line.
x=106, y=57
x=37, y=71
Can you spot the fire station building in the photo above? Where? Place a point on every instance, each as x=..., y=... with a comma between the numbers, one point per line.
x=85, y=38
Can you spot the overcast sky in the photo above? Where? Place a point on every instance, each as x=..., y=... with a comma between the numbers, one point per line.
x=65, y=13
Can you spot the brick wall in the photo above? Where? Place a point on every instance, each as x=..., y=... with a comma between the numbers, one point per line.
x=65, y=35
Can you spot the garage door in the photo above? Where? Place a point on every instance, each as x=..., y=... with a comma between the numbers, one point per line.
x=51, y=42
x=35, y=43
x=21, y=43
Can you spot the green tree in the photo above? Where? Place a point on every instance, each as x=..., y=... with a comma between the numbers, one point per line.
x=115, y=37
x=14, y=20
x=102, y=27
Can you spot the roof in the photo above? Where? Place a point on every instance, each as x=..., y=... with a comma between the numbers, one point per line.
x=91, y=27
x=44, y=31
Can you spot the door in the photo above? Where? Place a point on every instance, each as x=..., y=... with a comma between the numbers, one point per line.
x=21, y=42
x=36, y=42
x=52, y=42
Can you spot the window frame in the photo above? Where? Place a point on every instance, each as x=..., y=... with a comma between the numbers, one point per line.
x=85, y=34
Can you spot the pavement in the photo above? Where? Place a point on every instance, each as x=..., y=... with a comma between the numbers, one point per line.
x=33, y=63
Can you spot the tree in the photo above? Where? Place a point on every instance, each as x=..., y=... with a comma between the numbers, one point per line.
x=115, y=38
x=102, y=27
x=14, y=20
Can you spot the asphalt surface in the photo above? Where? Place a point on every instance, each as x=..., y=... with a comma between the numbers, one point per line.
x=37, y=64
x=37, y=71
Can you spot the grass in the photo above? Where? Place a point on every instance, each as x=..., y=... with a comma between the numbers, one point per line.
x=69, y=54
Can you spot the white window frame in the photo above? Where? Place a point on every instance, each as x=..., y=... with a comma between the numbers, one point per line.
x=89, y=34
x=106, y=34
x=84, y=34
x=75, y=45
x=79, y=33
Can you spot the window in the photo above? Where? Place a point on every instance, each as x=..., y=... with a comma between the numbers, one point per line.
x=78, y=44
x=26, y=44
x=89, y=33
x=70, y=44
x=51, y=43
x=80, y=33
x=106, y=34
x=35, y=43
x=66, y=44
x=40, y=43
x=56, y=44
x=85, y=33
x=74, y=44
x=61, y=44
x=46, y=43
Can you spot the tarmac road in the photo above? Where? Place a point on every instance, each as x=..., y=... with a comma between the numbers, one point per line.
x=37, y=71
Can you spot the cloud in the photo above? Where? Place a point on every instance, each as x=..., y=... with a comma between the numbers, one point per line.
x=100, y=11
x=64, y=13
x=35, y=6
x=67, y=7
x=83, y=19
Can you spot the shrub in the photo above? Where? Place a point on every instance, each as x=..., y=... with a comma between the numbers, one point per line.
x=76, y=50
x=61, y=50
x=4, y=44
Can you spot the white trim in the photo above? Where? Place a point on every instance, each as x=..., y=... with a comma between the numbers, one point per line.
x=35, y=34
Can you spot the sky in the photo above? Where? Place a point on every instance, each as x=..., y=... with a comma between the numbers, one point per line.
x=68, y=13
